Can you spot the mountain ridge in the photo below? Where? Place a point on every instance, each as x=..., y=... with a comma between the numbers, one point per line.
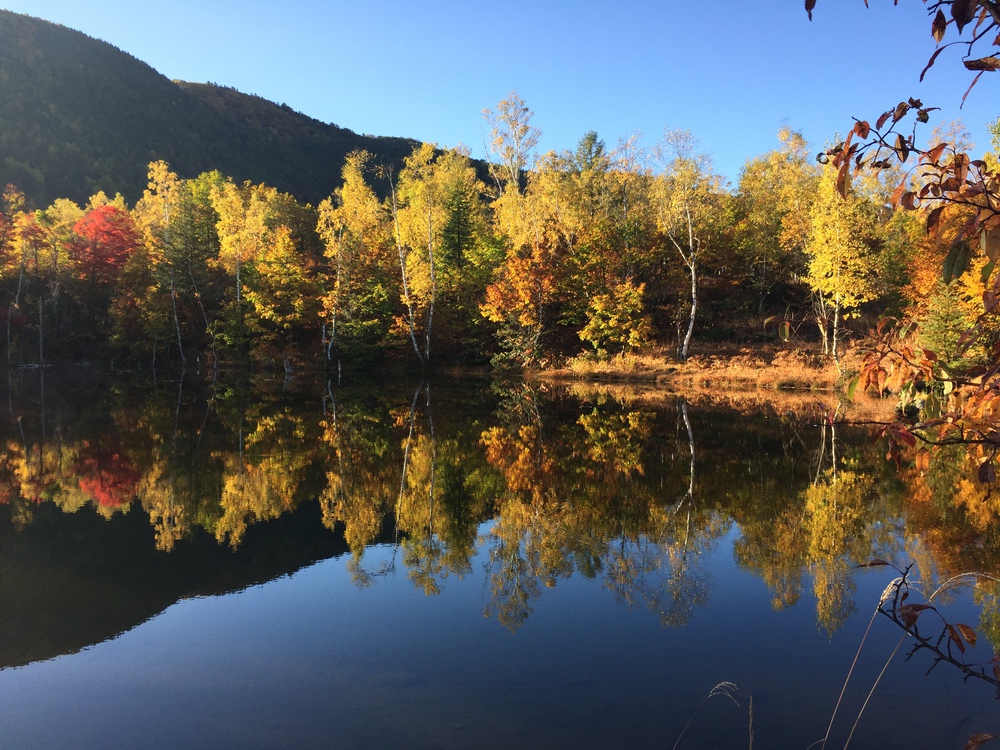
x=78, y=115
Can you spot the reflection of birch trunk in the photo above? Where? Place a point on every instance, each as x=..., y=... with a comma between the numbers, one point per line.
x=833, y=445
x=338, y=447
x=41, y=386
x=406, y=468
x=172, y=476
x=41, y=334
x=177, y=412
x=821, y=453
x=690, y=491
x=430, y=424
x=820, y=456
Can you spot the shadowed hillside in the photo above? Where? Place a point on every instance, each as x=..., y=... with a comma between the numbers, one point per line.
x=78, y=115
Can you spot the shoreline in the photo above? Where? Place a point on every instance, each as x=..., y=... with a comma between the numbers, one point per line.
x=777, y=379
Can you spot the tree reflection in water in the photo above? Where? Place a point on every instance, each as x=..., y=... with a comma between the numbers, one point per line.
x=628, y=491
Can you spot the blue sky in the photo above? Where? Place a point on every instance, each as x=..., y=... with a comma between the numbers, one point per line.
x=733, y=72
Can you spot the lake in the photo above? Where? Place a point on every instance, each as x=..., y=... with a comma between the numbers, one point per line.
x=468, y=564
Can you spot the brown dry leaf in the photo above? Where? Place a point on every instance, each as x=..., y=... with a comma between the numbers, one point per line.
x=989, y=242
x=909, y=613
x=978, y=739
x=938, y=26
x=955, y=638
x=967, y=633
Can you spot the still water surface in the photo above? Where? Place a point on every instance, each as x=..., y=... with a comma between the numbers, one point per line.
x=465, y=564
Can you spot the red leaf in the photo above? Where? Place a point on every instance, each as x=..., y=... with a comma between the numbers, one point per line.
x=885, y=116
x=106, y=239
x=862, y=128
x=810, y=4
x=987, y=473
x=935, y=153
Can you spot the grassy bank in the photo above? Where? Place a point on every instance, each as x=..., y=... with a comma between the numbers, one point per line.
x=780, y=377
x=771, y=367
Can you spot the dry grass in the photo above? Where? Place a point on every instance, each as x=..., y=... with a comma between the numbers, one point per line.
x=773, y=378
x=768, y=367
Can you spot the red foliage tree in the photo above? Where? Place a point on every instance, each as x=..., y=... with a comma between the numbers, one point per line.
x=106, y=239
x=109, y=477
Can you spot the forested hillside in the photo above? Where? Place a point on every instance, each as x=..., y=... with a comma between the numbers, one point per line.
x=78, y=115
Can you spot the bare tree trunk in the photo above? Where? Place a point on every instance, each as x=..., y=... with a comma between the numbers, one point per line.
x=177, y=322
x=836, y=331
x=10, y=308
x=402, y=270
x=690, y=259
x=433, y=275
x=694, y=309
x=328, y=343
x=204, y=315
x=822, y=320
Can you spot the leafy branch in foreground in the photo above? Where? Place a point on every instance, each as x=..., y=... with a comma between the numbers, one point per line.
x=958, y=198
x=983, y=16
x=947, y=641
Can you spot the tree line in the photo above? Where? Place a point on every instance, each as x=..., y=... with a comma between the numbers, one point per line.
x=596, y=252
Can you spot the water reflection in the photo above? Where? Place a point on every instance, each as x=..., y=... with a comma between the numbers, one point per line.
x=539, y=484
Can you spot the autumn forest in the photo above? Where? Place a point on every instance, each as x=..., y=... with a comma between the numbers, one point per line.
x=592, y=253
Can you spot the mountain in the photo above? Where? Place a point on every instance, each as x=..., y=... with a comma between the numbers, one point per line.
x=78, y=115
